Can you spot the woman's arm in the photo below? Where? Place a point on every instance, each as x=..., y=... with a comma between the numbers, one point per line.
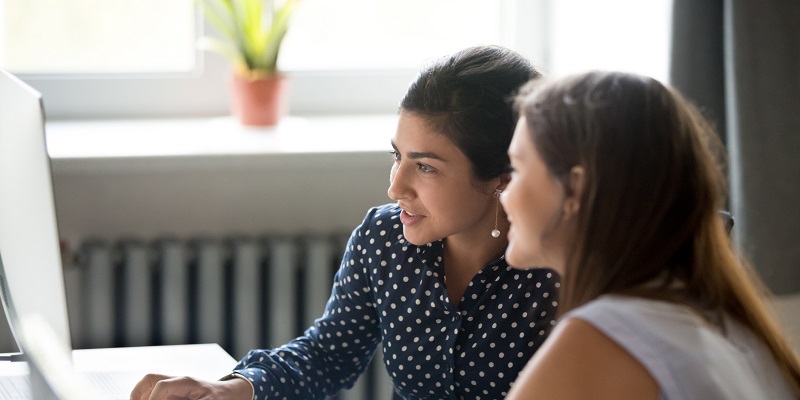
x=578, y=361
x=335, y=350
x=329, y=356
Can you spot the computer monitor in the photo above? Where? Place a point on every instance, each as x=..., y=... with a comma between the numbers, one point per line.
x=52, y=376
x=31, y=277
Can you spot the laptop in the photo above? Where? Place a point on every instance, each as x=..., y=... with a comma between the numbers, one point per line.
x=31, y=279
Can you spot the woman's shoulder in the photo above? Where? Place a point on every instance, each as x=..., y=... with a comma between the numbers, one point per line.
x=664, y=336
x=613, y=312
x=381, y=225
x=387, y=215
x=599, y=368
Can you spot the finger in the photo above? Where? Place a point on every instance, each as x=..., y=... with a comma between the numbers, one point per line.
x=175, y=388
x=144, y=387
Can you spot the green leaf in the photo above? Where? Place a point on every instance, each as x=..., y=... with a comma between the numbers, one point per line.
x=218, y=14
x=252, y=30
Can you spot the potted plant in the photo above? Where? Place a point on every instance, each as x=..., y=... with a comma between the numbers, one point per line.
x=251, y=32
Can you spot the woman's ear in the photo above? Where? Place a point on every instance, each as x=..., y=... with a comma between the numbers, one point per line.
x=574, y=190
x=505, y=178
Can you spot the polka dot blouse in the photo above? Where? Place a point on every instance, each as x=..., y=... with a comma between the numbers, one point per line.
x=390, y=292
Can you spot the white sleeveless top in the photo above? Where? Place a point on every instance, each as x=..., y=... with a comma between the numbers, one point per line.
x=688, y=357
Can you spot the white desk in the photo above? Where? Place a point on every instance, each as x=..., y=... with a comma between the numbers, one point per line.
x=203, y=361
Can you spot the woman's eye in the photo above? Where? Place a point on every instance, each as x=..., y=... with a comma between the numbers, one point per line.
x=425, y=167
x=395, y=155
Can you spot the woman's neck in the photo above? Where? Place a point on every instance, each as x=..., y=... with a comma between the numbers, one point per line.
x=465, y=255
x=477, y=252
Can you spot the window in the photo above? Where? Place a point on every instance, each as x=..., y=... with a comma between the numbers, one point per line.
x=110, y=58
x=628, y=35
x=352, y=35
x=136, y=58
x=362, y=54
x=60, y=37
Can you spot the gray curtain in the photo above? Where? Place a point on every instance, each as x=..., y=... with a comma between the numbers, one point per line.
x=739, y=61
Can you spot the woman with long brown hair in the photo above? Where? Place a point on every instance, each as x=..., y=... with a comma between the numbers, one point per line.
x=617, y=184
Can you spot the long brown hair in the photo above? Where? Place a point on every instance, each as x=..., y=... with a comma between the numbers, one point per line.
x=648, y=222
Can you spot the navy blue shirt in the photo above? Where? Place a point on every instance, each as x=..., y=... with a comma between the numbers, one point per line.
x=391, y=292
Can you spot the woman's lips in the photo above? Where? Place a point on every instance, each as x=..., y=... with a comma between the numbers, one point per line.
x=408, y=218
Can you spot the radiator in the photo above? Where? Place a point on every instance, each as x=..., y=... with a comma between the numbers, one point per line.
x=240, y=292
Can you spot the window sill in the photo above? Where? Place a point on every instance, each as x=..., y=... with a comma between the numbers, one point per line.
x=88, y=146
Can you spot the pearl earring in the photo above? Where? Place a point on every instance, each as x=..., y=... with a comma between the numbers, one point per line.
x=496, y=231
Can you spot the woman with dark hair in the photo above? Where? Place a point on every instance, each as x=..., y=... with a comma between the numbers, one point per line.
x=425, y=276
x=617, y=185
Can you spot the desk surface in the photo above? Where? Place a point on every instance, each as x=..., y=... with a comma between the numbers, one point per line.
x=203, y=361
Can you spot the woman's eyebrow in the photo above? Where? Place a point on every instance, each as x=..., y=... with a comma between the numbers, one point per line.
x=414, y=155
x=424, y=154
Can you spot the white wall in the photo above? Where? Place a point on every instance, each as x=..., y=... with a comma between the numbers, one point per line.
x=252, y=194
x=147, y=178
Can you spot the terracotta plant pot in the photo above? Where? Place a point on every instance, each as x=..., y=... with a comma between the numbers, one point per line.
x=261, y=101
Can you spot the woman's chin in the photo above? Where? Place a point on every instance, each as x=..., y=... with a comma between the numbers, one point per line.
x=417, y=238
x=521, y=257
x=516, y=260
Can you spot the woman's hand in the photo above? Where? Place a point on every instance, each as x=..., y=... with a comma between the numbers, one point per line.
x=162, y=387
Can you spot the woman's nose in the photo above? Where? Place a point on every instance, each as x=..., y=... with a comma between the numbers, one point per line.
x=398, y=189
